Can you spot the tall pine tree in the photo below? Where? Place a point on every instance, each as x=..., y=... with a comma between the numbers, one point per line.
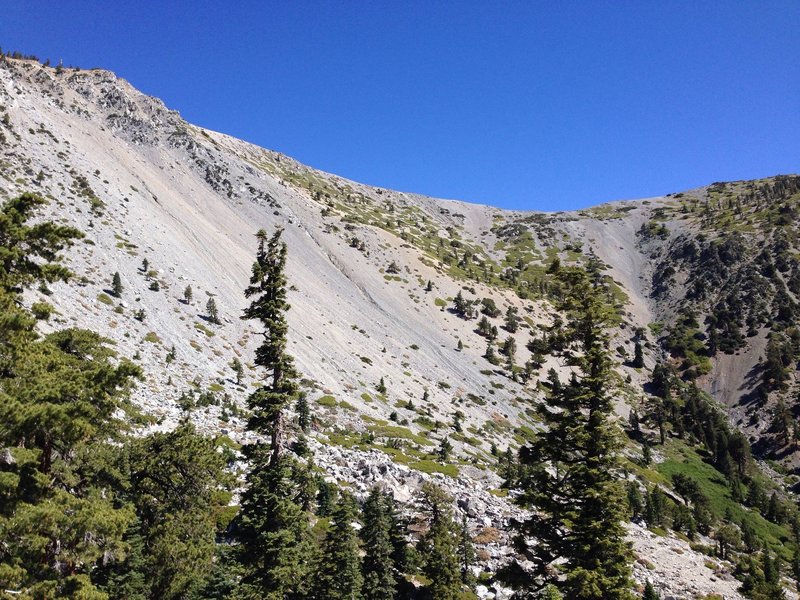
x=273, y=527
x=378, y=565
x=571, y=470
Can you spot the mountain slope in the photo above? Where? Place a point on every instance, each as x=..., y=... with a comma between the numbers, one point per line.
x=145, y=185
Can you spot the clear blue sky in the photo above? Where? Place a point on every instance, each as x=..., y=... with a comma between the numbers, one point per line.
x=540, y=105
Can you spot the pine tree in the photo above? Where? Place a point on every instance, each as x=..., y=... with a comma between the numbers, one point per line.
x=116, y=285
x=175, y=479
x=211, y=310
x=445, y=448
x=439, y=546
x=398, y=527
x=647, y=454
x=187, y=294
x=512, y=320
x=550, y=592
x=327, y=497
x=378, y=567
x=338, y=572
x=466, y=554
x=650, y=592
x=61, y=399
x=238, y=370
x=128, y=578
x=303, y=413
x=273, y=526
x=635, y=504
x=638, y=355
x=571, y=470
x=461, y=305
x=276, y=546
x=489, y=354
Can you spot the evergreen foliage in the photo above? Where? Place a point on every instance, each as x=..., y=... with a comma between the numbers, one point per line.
x=175, y=482
x=238, y=370
x=86, y=512
x=116, y=284
x=303, y=413
x=338, y=572
x=379, y=570
x=212, y=311
x=273, y=527
x=438, y=548
x=570, y=476
x=650, y=592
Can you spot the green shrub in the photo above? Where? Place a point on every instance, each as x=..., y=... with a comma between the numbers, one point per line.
x=328, y=401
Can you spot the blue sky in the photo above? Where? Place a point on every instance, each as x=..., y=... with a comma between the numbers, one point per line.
x=530, y=105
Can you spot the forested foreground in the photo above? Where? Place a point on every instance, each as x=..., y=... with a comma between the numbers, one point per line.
x=90, y=509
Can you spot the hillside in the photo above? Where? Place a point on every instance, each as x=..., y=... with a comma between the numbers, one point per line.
x=705, y=282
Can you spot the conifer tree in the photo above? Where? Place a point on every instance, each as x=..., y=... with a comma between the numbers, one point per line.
x=512, y=319
x=650, y=592
x=174, y=484
x=461, y=305
x=570, y=476
x=466, y=553
x=445, y=448
x=61, y=396
x=439, y=546
x=211, y=309
x=489, y=354
x=303, y=412
x=187, y=294
x=397, y=536
x=273, y=525
x=238, y=370
x=327, y=497
x=116, y=284
x=378, y=566
x=338, y=572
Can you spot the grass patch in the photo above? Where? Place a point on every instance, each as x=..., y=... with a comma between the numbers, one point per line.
x=152, y=337
x=403, y=433
x=682, y=459
x=105, y=299
x=328, y=401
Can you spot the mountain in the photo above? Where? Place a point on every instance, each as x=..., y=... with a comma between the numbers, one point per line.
x=705, y=283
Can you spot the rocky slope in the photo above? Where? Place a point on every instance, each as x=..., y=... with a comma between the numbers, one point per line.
x=147, y=186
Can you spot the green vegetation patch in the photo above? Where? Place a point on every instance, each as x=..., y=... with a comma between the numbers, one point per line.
x=328, y=401
x=398, y=432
